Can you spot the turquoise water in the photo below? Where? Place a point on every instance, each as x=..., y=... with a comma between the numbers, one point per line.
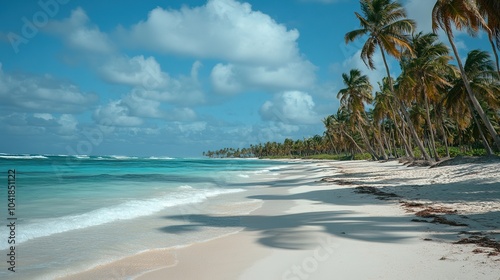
x=74, y=212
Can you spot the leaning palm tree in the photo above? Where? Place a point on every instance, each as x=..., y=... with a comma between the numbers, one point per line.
x=490, y=10
x=341, y=128
x=462, y=14
x=385, y=23
x=353, y=97
x=383, y=104
x=483, y=80
x=426, y=73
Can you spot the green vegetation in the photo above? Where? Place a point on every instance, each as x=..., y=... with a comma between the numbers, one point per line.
x=437, y=107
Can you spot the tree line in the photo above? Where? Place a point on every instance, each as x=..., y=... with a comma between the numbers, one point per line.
x=437, y=103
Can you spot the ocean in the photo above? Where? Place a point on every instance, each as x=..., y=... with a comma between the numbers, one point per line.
x=72, y=213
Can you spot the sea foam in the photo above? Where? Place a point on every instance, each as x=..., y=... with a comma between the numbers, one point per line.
x=128, y=210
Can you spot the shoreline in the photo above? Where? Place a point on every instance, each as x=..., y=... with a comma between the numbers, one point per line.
x=310, y=228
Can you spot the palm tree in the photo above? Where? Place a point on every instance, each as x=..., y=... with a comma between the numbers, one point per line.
x=329, y=132
x=483, y=80
x=426, y=72
x=384, y=100
x=462, y=14
x=387, y=27
x=340, y=126
x=490, y=10
x=353, y=97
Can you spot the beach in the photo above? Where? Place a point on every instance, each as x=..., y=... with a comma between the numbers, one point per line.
x=341, y=220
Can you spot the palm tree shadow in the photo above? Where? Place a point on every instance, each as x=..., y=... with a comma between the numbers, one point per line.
x=291, y=231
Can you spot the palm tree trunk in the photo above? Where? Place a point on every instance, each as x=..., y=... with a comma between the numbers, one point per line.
x=487, y=146
x=367, y=142
x=490, y=38
x=330, y=139
x=352, y=140
x=405, y=113
x=429, y=124
x=408, y=149
x=472, y=97
x=381, y=146
x=445, y=138
x=377, y=139
x=386, y=143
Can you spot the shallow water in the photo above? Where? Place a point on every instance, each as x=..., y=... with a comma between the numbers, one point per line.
x=74, y=213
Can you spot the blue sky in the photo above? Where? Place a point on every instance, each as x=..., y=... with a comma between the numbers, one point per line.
x=175, y=78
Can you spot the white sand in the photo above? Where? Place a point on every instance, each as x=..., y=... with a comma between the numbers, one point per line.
x=307, y=229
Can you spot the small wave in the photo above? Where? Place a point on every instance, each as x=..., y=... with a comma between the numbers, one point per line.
x=124, y=211
x=243, y=176
x=160, y=158
x=23, y=157
x=81, y=156
x=122, y=157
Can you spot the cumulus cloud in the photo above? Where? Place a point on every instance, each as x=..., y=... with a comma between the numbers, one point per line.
x=291, y=107
x=80, y=34
x=224, y=29
x=116, y=113
x=68, y=125
x=64, y=125
x=230, y=78
x=190, y=128
x=257, y=52
x=42, y=94
x=143, y=74
x=421, y=12
x=183, y=90
x=132, y=110
x=136, y=71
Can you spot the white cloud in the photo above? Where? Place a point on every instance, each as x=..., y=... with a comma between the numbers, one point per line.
x=230, y=78
x=256, y=51
x=68, y=125
x=42, y=94
x=64, y=125
x=275, y=131
x=132, y=110
x=421, y=12
x=43, y=116
x=136, y=71
x=224, y=79
x=141, y=107
x=79, y=34
x=116, y=114
x=195, y=127
x=291, y=107
x=181, y=114
x=224, y=29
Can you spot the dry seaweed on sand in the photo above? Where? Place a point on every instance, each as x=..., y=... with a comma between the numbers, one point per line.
x=337, y=181
x=430, y=212
x=482, y=241
x=380, y=194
